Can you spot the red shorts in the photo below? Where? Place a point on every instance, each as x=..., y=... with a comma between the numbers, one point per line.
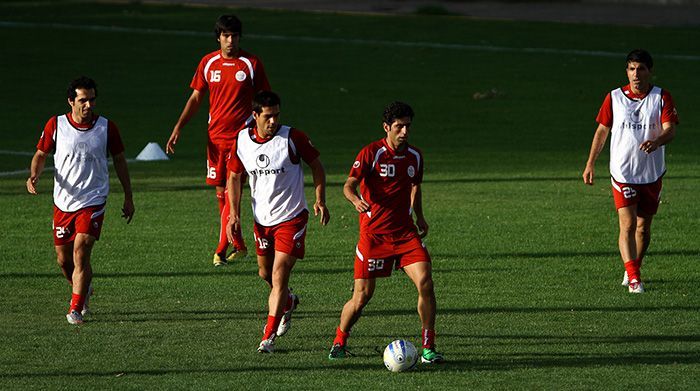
x=647, y=197
x=84, y=221
x=217, y=157
x=377, y=255
x=287, y=237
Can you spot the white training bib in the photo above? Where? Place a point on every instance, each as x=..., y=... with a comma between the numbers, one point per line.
x=635, y=121
x=276, y=182
x=81, y=177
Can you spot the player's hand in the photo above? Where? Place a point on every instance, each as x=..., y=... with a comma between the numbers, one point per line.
x=649, y=146
x=588, y=175
x=361, y=205
x=128, y=210
x=422, y=227
x=233, y=226
x=31, y=184
x=320, y=208
x=170, y=145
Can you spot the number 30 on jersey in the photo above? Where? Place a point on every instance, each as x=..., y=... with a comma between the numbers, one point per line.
x=387, y=170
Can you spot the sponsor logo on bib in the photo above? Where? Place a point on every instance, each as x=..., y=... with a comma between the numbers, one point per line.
x=262, y=161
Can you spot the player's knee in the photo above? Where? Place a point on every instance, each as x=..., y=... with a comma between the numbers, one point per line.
x=265, y=275
x=425, y=287
x=627, y=229
x=643, y=230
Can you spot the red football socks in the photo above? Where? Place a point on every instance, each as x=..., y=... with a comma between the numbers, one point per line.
x=632, y=269
x=76, y=302
x=341, y=337
x=223, y=239
x=221, y=198
x=225, y=210
x=428, y=337
x=271, y=327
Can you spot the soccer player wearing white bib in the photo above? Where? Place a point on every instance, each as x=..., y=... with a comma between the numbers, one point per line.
x=641, y=118
x=81, y=142
x=271, y=155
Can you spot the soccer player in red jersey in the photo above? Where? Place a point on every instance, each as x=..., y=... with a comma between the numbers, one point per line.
x=641, y=118
x=81, y=141
x=389, y=173
x=271, y=154
x=231, y=76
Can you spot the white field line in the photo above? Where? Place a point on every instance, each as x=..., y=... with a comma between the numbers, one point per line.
x=18, y=153
x=363, y=42
x=26, y=170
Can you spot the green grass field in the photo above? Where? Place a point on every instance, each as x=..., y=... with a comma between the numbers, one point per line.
x=525, y=256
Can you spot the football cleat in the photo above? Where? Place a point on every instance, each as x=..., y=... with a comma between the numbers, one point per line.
x=237, y=254
x=339, y=352
x=220, y=260
x=86, y=307
x=286, y=321
x=636, y=286
x=431, y=356
x=74, y=317
x=267, y=345
x=625, y=280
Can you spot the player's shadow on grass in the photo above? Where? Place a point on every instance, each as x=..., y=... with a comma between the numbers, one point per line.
x=384, y=312
x=462, y=363
x=565, y=254
x=169, y=316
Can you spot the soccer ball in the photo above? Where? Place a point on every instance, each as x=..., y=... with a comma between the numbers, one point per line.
x=400, y=355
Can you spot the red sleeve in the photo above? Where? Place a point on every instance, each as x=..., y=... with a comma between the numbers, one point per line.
x=234, y=162
x=199, y=81
x=260, y=80
x=303, y=145
x=362, y=164
x=668, y=109
x=605, y=114
x=115, y=146
x=47, y=141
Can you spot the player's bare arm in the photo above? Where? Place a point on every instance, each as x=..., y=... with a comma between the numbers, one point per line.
x=123, y=174
x=319, y=175
x=350, y=193
x=601, y=135
x=667, y=134
x=191, y=108
x=233, y=186
x=417, y=206
x=35, y=170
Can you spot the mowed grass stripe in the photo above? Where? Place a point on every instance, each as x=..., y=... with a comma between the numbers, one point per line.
x=370, y=42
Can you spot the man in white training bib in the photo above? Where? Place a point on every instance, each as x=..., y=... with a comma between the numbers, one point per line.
x=641, y=118
x=81, y=142
x=271, y=155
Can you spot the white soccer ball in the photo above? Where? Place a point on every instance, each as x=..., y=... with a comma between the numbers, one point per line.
x=400, y=355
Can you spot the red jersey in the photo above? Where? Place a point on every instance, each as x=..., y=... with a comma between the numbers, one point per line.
x=668, y=109
x=386, y=178
x=231, y=84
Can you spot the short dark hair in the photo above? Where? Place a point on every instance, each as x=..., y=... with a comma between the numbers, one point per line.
x=641, y=56
x=396, y=110
x=83, y=82
x=265, y=99
x=228, y=23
